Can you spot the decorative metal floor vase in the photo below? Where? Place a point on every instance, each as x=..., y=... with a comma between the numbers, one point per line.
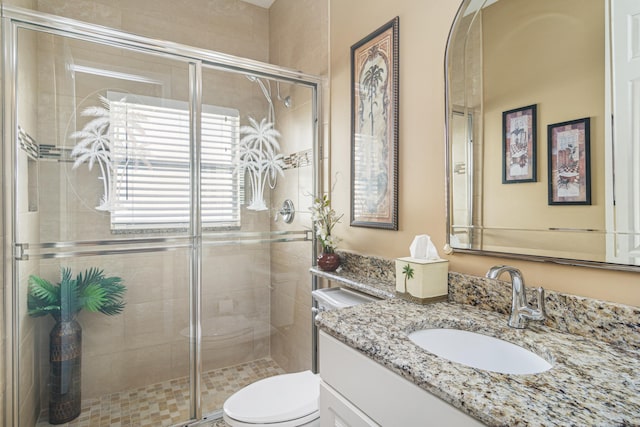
x=65, y=360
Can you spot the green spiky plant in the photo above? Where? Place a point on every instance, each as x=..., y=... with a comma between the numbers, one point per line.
x=91, y=291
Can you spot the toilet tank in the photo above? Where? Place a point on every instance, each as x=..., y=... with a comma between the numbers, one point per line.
x=333, y=298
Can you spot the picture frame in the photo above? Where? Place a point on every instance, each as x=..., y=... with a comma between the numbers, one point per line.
x=374, y=128
x=519, y=142
x=569, y=162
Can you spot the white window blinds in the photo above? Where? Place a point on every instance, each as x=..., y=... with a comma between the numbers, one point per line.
x=152, y=164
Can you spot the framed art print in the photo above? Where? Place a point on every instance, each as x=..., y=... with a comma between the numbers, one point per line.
x=569, y=163
x=519, y=145
x=374, y=128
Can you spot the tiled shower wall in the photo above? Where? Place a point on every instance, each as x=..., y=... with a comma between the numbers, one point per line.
x=229, y=26
x=298, y=40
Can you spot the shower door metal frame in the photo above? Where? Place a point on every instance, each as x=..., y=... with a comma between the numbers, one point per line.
x=14, y=18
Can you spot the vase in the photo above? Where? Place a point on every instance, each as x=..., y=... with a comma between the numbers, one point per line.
x=329, y=261
x=65, y=357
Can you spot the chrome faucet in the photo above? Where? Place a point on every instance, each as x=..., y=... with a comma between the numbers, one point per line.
x=520, y=311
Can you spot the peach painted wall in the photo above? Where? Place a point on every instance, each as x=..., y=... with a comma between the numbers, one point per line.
x=424, y=28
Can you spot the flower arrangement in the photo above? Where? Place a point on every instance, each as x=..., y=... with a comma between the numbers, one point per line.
x=324, y=219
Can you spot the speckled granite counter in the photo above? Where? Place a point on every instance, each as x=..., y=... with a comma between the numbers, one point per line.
x=372, y=275
x=592, y=383
x=377, y=288
x=594, y=347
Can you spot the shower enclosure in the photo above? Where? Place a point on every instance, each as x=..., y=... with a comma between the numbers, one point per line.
x=166, y=166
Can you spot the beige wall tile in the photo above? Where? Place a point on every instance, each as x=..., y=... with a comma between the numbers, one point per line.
x=101, y=334
x=242, y=349
x=152, y=323
x=98, y=376
x=298, y=39
x=28, y=4
x=83, y=10
x=28, y=379
x=133, y=368
x=299, y=35
x=291, y=343
x=232, y=27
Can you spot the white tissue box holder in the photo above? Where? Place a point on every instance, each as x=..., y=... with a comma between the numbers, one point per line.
x=430, y=280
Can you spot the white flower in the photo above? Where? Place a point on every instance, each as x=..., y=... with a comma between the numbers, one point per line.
x=325, y=219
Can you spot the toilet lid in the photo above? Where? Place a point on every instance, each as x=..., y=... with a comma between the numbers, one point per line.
x=280, y=398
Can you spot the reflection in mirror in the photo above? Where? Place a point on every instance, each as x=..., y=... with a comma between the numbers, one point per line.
x=569, y=59
x=462, y=177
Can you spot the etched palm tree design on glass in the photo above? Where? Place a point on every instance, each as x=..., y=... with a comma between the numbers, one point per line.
x=96, y=146
x=259, y=156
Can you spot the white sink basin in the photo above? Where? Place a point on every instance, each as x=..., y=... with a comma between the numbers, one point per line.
x=479, y=351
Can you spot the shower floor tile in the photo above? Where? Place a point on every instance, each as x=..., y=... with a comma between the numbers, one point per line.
x=167, y=403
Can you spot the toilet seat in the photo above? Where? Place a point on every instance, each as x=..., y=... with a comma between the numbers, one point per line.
x=283, y=400
x=312, y=420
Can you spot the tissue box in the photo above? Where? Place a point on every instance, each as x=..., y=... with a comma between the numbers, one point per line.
x=430, y=281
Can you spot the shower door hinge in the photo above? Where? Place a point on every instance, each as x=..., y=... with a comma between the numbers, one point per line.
x=18, y=251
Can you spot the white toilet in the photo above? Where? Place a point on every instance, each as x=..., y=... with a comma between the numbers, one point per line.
x=288, y=400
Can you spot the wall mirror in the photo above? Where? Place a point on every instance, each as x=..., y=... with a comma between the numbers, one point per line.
x=571, y=60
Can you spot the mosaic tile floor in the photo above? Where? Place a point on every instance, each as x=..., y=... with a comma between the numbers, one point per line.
x=166, y=403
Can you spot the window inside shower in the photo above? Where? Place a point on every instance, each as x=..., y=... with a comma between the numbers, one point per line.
x=150, y=138
x=166, y=171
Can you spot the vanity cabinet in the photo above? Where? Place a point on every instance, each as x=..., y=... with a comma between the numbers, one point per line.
x=357, y=392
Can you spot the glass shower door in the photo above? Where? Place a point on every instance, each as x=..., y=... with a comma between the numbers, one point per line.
x=136, y=219
x=257, y=139
x=104, y=192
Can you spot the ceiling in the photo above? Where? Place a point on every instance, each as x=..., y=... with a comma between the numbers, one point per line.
x=262, y=3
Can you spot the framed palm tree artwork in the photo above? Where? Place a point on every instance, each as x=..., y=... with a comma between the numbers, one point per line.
x=374, y=128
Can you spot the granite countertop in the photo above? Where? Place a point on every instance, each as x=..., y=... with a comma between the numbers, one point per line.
x=370, y=285
x=592, y=383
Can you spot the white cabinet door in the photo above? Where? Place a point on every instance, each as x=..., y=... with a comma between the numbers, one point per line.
x=336, y=411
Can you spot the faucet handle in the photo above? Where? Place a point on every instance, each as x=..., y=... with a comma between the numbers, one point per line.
x=540, y=300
